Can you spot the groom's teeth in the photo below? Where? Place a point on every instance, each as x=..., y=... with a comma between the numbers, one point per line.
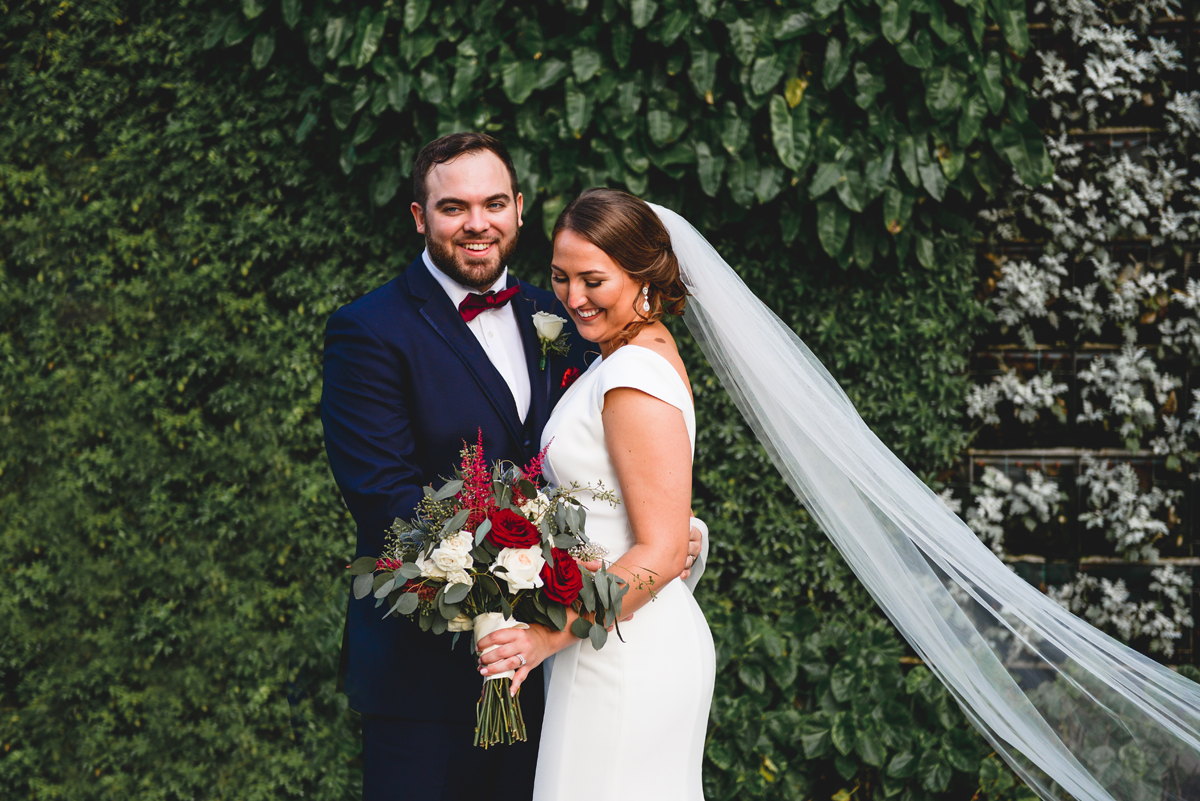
x=477, y=247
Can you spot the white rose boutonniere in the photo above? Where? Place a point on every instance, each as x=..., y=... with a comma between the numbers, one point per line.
x=549, y=331
x=522, y=567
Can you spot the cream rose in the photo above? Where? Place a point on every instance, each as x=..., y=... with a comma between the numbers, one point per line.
x=460, y=623
x=429, y=568
x=548, y=326
x=460, y=577
x=523, y=566
x=535, y=508
x=454, y=554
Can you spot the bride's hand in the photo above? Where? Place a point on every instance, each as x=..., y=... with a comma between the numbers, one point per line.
x=532, y=643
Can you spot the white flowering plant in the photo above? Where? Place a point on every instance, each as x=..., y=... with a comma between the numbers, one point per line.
x=489, y=550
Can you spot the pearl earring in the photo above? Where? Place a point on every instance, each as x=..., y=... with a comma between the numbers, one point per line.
x=646, y=298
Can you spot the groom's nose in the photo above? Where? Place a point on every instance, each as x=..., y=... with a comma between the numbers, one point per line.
x=476, y=221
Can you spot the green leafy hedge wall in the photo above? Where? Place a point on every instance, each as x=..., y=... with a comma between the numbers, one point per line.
x=189, y=189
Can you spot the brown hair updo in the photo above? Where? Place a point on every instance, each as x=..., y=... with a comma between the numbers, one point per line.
x=632, y=235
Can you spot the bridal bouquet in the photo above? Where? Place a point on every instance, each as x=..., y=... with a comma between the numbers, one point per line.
x=492, y=550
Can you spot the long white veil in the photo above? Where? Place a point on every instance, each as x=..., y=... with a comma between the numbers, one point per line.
x=1076, y=713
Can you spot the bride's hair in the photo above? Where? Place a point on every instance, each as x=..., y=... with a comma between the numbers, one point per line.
x=633, y=236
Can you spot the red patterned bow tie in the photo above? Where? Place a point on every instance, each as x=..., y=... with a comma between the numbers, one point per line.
x=473, y=303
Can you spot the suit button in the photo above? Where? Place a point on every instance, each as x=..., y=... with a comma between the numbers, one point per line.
x=526, y=443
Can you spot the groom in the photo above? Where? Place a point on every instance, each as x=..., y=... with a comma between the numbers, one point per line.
x=412, y=371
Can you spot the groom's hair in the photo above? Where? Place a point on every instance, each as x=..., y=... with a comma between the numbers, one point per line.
x=450, y=147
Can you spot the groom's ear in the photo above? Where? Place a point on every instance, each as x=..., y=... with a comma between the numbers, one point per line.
x=520, y=206
x=419, y=214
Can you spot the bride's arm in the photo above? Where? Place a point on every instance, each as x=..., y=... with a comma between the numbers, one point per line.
x=648, y=443
x=650, y=450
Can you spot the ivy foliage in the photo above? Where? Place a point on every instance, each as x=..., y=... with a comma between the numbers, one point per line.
x=183, y=204
x=864, y=109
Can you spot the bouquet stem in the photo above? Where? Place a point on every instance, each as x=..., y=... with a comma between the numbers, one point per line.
x=498, y=715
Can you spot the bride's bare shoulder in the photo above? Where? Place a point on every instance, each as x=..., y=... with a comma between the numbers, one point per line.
x=657, y=338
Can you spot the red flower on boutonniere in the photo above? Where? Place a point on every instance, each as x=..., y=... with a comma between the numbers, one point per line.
x=569, y=376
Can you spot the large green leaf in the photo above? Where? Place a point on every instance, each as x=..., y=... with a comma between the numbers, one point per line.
x=709, y=166
x=833, y=225
x=579, y=109
x=642, y=12
x=585, y=63
x=991, y=82
x=1022, y=146
x=933, y=772
x=941, y=26
x=415, y=12
x=789, y=134
x=766, y=73
x=945, y=88
x=868, y=84
x=971, y=120
x=622, y=44
x=519, y=78
x=930, y=170
x=263, y=49
x=870, y=747
x=917, y=50
x=1011, y=15
x=252, y=8
x=837, y=62
x=735, y=130
x=337, y=34
x=908, y=159
x=703, y=72
x=371, y=38
x=291, y=12
x=793, y=25
x=743, y=39
x=842, y=732
x=894, y=19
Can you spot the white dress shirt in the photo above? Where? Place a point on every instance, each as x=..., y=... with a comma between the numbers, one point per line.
x=497, y=332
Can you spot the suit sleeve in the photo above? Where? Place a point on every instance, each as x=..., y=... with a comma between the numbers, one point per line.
x=368, y=432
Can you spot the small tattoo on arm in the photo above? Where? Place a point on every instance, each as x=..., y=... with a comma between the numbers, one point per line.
x=660, y=339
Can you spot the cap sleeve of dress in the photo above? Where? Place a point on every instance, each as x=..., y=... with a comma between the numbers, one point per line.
x=643, y=369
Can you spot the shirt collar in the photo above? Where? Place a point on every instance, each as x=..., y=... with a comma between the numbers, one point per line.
x=455, y=290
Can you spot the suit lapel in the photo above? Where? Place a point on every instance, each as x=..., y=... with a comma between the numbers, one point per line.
x=440, y=313
x=539, y=379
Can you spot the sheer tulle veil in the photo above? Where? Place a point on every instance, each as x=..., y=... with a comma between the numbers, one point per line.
x=1076, y=713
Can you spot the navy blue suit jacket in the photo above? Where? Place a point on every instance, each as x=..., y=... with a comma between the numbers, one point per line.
x=405, y=385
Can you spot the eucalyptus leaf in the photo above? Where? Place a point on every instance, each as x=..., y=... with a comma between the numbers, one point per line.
x=482, y=530
x=410, y=570
x=598, y=635
x=587, y=591
x=558, y=615
x=406, y=604
x=385, y=587
x=454, y=593
x=448, y=490
x=363, y=565
x=581, y=628
x=362, y=585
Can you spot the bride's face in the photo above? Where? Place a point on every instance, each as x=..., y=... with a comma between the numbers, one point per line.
x=598, y=293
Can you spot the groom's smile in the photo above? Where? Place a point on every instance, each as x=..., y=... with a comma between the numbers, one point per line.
x=471, y=219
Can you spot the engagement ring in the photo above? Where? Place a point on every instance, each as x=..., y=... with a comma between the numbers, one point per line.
x=522, y=658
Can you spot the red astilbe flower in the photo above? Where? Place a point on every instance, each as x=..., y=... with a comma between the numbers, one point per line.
x=388, y=564
x=533, y=470
x=425, y=593
x=476, y=493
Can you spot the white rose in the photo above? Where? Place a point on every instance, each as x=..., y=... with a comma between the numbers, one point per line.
x=429, y=568
x=548, y=326
x=523, y=565
x=535, y=508
x=460, y=577
x=460, y=623
x=449, y=560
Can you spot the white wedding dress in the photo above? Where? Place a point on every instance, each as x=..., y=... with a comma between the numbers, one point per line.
x=630, y=719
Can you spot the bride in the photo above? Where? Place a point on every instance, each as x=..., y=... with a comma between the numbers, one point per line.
x=1077, y=714
x=633, y=714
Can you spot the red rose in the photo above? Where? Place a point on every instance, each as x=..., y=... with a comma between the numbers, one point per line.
x=569, y=377
x=562, y=582
x=510, y=530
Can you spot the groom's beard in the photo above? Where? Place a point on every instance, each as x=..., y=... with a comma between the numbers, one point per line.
x=472, y=272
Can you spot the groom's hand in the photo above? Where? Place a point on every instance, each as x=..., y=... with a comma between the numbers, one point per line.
x=695, y=539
